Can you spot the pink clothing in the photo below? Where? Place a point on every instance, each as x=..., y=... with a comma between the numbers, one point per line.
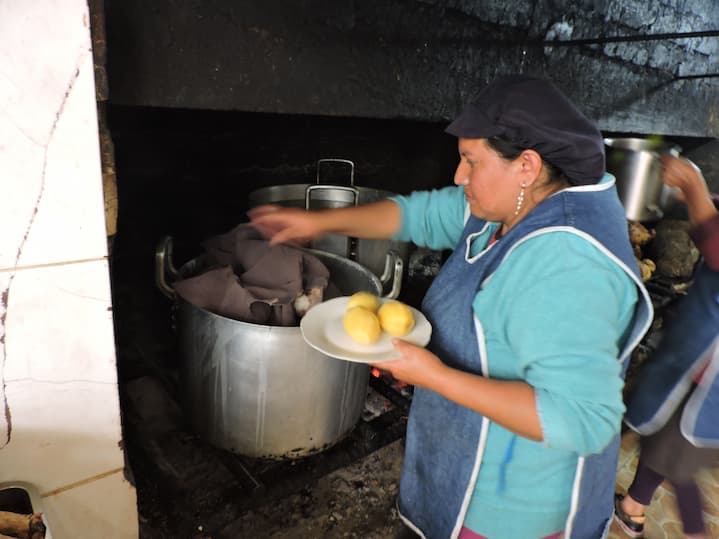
x=466, y=533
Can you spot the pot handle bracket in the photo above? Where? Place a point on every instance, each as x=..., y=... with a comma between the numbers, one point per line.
x=164, y=266
x=335, y=160
x=393, y=269
x=350, y=248
x=312, y=188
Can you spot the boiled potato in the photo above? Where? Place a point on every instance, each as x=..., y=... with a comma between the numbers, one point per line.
x=362, y=325
x=396, y=318
x=365, y=300
x=647, y=267
x=639, y=234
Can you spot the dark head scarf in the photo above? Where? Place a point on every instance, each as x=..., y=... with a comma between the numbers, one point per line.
x=533, y=114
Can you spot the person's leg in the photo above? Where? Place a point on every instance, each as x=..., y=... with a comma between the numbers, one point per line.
x=640, y=493
x=689, y=503
x=629, y=509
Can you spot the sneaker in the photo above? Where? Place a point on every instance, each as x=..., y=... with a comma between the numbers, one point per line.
x=632, y=525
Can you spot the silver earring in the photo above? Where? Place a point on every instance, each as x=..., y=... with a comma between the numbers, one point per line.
x=520, y=199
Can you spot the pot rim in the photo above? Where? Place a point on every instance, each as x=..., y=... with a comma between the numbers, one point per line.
x=638, y=144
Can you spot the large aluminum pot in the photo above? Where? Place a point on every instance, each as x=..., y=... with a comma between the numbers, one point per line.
x=635, y=164
x=260, y=390
x=371, y=254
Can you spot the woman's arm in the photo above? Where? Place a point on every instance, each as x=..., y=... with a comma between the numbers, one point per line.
x=377, y=220
x=684, y=175
x=703, y=215
x=433, y=219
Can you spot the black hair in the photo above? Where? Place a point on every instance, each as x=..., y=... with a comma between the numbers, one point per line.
x=510, y=151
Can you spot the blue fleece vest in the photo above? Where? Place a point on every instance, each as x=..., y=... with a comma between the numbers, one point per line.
x=445, y=441
x=690, y=339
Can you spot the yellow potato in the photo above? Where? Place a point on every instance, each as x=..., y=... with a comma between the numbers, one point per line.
x=396, y=318
x=365, y=300
x=362, y=325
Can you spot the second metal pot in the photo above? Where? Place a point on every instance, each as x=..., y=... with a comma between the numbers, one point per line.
x=636, y=165
x=372, y=254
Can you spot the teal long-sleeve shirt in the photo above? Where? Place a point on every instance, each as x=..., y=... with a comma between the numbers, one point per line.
x=555, y=315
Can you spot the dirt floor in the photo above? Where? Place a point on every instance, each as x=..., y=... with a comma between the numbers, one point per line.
x=354, y=502
x=187, y=489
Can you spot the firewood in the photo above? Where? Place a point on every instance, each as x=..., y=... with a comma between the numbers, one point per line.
x=22, y=526
x=37, y=527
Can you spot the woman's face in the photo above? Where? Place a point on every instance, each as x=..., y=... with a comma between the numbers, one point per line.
x=491, y=183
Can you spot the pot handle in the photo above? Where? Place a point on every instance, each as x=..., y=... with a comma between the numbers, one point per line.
x=393, y=269
x=333, y=160
x=163, y=265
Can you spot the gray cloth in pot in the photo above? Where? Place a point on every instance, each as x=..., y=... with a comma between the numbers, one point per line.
x=254, y=281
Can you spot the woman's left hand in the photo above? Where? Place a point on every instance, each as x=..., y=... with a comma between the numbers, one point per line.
x=416, y=366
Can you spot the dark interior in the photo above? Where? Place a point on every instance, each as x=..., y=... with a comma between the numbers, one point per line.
x=15, y=500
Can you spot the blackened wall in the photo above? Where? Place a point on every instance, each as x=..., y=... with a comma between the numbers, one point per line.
x=189, y=173
x=417, y=59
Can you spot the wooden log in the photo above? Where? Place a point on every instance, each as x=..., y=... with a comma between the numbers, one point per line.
x=37, y=527
x=22, y=526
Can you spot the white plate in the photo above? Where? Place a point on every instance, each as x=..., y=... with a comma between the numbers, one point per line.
x=322, y=330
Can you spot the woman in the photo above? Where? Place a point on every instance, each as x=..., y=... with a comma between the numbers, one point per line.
x=676, y=405
x=513, y=429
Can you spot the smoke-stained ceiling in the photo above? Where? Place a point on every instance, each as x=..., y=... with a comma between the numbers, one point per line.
x=631, y=65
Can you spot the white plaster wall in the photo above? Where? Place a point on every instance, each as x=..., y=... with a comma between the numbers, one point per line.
x=60, y=426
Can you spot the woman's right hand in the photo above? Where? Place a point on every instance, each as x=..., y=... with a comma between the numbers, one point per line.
x=685, y=176
x=285, y=225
